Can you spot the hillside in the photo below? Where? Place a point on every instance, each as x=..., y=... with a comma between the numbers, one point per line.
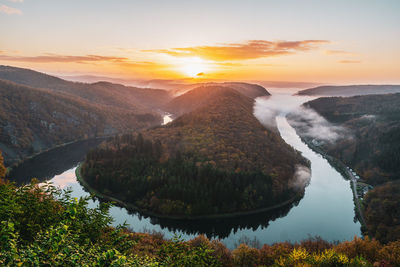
x=248, y=89
x=371, y=147
x=197, y=97
x=34, y=119
x=135, y=99
x=374, y=121
x=217, y=159
x=351, y=90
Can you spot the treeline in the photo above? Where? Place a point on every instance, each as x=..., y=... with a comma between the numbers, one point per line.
x=138, y=171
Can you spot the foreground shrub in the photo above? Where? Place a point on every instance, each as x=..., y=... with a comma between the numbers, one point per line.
x=246, y=256
x=328, y=258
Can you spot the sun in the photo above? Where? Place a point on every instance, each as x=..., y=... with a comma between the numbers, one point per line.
x=193, y=66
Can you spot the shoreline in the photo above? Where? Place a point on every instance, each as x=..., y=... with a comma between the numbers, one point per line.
x=16, y=164
x=129, y=206
x=341, y=168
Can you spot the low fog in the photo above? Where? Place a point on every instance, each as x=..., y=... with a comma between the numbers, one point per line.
x=310, y=124
x=301, y=177
x=307, y=121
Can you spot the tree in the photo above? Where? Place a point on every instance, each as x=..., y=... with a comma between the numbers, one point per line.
x=3, y=170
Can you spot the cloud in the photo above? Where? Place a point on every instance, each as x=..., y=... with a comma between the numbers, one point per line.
x=50, y=58
x=267, y=108
x=349, y=61
x=9, y=10
x=339, y=52
x=241, y=51
x=16, y=1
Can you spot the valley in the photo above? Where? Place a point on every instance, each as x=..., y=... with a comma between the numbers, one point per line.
x=326, y=210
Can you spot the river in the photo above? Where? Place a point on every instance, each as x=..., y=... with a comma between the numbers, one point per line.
x=326, y=210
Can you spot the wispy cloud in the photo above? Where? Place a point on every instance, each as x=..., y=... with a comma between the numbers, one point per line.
x=9, y=10
x=50, y=58
x=241, y=51
x=349, y=61
x=339, y=52
x=16, y=1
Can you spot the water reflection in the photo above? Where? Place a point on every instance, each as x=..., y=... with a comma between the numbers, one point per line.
x=54, y=162
x=219, y=228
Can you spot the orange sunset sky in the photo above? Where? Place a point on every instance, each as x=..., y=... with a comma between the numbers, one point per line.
x=338, y=41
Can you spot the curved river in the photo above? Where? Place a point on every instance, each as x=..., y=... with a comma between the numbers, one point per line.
x=327, y=209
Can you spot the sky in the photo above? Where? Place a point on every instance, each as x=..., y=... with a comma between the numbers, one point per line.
x=330, y=41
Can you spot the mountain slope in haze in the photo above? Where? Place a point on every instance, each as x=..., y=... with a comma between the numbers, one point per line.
x=351, y=90
x=33, y=119
x=372, y=150
x=136, y=99
x=248, y=89
x=217, y=159
x=198, y=96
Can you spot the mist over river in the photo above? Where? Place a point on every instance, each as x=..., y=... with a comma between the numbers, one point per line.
x=326, y=210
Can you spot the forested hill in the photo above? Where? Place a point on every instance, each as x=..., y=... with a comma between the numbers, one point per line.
x=224, y=129
x=373, y=150
x=201, y=95
x=217, y=159
x=136, y=99
x=351, y=90
x=248, y=89
x=374, y=121
x=33, y=119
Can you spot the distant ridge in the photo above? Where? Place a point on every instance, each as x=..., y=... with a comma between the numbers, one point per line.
x=138, y=99
x=251, y=90
x=351, y=90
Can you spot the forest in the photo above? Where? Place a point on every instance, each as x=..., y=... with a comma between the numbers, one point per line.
x=44, y=226
x=216, y=159
x=40, y=111
x=372, y=149
x=34, y=119
x=185, y=184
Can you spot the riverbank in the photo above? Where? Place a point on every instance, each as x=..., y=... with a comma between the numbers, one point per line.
x=342, y=169
x=180, y=217
x=16, y=164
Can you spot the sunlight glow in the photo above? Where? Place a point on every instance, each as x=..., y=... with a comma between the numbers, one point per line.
x=193, y=66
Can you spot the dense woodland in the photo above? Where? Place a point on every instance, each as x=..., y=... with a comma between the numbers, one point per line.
x=43, y=226
x=373, y=145
x=216, y=159
x=372, y=148
x=34, y=119
x=39, y=111
x=382, y=211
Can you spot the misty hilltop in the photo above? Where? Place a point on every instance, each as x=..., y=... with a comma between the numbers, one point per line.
x=199, y=96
